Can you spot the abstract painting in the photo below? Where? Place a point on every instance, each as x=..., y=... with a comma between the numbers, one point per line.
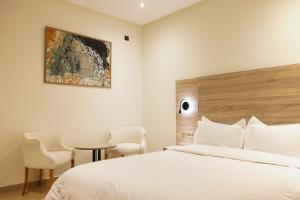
x=77, y=60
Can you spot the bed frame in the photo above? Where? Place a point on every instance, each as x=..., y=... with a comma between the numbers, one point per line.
x=271, y=94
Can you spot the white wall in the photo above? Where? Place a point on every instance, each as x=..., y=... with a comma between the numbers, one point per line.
x=214, y=36
x=78, y=114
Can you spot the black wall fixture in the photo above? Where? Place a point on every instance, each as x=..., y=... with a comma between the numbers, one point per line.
x=184, y=104
x=126, y=37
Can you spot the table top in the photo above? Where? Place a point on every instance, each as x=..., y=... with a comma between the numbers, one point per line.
x=94, y=146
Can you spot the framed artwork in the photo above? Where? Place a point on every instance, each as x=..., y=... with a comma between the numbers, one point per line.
x=75, y=59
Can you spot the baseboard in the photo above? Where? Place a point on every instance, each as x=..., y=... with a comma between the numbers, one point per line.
x=20, y=186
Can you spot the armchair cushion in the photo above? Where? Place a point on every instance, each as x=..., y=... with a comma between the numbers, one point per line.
x=61, y=157
x=126, y=149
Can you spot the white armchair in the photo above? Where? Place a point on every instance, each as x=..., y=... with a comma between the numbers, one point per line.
x=128, y=141
x=44, y=151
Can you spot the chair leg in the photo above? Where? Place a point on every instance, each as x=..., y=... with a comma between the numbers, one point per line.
x=72, y=163
x=41, y=178
x=51, y=177
x=105, y=154
x=25, y=182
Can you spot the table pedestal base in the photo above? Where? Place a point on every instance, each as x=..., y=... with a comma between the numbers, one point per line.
x=96, y=155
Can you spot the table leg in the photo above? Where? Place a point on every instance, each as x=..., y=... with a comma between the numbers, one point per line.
x=99, y=154
x=94, y=155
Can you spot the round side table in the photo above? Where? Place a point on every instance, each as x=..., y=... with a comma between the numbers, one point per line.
x=96, y=149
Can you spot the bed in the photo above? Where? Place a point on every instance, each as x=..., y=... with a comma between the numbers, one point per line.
x=184, y=172
x=241, y=161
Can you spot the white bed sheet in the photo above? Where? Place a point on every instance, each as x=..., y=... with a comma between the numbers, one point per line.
x=194, y=172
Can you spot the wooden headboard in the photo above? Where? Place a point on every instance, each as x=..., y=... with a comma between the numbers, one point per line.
x=271, y=94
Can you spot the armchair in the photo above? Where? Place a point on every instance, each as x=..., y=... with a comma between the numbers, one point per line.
x=44, y=151
x=128, y=141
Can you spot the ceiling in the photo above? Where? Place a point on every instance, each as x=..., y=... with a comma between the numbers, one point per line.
x=130, y=10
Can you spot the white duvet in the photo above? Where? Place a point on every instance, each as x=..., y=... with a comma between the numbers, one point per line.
x=193, y=172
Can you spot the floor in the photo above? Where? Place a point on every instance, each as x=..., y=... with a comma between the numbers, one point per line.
x=35, y=193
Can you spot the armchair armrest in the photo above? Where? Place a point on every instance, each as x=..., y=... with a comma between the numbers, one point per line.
x=56, y=143
x=143, y=143
x=65, y=147
x=114, y=137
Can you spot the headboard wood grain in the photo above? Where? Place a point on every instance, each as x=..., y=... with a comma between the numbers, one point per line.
x=271, y=94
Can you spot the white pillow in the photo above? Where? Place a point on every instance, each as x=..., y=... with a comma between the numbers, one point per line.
x=216, y=134
x=242, y=122
x=278, y=139
x=253, y=120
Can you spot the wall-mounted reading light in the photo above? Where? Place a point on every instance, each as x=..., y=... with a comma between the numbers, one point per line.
x=184, y=105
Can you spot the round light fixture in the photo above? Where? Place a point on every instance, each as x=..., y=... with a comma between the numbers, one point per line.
x=184, y=105
x=142, y=5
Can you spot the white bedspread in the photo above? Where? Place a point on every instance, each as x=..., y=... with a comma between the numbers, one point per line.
x=193, y=172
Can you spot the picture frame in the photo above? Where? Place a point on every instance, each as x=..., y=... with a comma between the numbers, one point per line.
x=75, y=59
